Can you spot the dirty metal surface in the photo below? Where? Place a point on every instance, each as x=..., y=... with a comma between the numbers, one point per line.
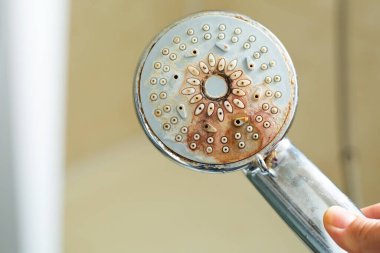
x=215, y=89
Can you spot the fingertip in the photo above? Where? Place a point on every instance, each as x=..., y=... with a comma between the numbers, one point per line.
x=327, y=222
x=338, y=217
x=328, y=216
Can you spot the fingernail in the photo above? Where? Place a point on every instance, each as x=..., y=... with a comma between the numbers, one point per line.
x=339, y=217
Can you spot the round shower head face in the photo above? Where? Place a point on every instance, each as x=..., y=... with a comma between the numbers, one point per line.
x=215, y=89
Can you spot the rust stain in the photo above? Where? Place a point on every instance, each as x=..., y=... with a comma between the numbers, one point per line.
x=227, y=127
x=271, y=160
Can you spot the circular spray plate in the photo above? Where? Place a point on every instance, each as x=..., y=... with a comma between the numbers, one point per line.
x=214, y=89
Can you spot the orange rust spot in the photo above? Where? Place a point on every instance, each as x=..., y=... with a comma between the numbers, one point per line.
x=227, y=127
x=271, y=160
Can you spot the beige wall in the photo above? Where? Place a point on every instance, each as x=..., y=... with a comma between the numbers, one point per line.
x=364, y=80
x=124, y=196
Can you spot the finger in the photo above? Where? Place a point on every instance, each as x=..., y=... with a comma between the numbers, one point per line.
x=372, y=212
x=335, y=221
x=364, y=235
x=352, y=233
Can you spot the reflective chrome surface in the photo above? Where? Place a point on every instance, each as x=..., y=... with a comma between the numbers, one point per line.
x=300, y=194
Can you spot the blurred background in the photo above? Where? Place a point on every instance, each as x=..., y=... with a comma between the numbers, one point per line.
x=122, y=195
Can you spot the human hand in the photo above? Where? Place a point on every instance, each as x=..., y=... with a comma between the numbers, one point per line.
x=353, y=233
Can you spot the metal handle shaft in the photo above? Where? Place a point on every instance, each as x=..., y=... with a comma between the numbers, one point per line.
x=300, y=193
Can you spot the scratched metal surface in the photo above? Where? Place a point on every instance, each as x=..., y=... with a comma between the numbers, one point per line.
x=214, y=89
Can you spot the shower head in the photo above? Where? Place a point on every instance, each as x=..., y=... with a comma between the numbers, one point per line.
x=217, y=92
x=214, y=90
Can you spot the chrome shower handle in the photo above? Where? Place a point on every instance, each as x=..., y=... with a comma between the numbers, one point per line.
x=300, y=193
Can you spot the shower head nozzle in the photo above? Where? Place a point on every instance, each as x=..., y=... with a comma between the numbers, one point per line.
x=215, y=89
